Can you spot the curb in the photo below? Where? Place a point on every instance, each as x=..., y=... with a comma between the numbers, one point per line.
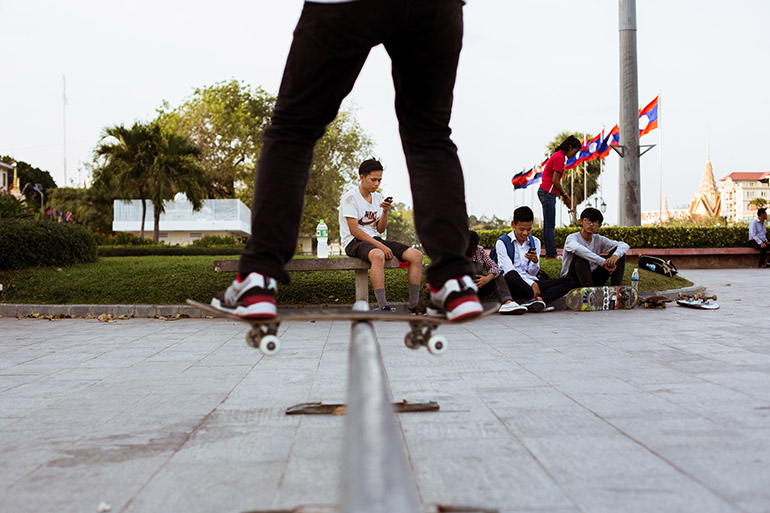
x=177, y=311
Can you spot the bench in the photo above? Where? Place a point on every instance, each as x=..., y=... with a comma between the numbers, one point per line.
x=360, y=267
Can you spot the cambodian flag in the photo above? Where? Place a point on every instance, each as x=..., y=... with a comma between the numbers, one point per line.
x=612, y=139
x=520, y=180
x=648, y=117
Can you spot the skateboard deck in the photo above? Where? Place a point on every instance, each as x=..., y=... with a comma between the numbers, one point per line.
x=263, y=333
x=699, y=301
x=589, y=299
x=653, y=301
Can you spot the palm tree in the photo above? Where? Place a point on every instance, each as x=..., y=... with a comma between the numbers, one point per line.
x=175, y=169
x=130, y=160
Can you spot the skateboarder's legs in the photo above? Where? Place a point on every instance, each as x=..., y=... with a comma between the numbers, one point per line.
x=331, y=43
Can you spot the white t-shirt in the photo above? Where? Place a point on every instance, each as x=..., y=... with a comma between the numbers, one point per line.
x=354, y=206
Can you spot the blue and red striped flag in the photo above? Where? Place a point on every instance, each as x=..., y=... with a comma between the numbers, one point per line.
x=649, y=116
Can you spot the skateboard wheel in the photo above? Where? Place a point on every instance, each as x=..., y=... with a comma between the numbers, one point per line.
x=410, y=340
x=437, y=344
x=269, y=345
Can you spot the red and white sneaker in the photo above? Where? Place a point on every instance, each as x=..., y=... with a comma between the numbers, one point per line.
x=457, y=299
x=252, y=298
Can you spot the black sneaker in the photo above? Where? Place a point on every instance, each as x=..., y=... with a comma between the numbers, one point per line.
x=534, y=306
x=252, y=298
x=457, y=299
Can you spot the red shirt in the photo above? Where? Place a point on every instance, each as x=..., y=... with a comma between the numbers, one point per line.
x=554, y=164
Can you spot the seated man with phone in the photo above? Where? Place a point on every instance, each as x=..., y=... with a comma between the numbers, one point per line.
x=363, y=217
x=518, y=254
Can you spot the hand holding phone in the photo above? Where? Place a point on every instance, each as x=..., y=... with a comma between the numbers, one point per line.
x=389, y=199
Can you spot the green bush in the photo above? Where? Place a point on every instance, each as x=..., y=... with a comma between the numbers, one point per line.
x=654, y=237
x=122, y=239
x=11, y=208
x=162, y=250
x=27, y=243
x=215, y=240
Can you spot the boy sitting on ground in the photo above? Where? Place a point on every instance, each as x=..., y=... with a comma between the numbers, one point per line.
x=518, y=254
x=582, y=258
x=492, y=279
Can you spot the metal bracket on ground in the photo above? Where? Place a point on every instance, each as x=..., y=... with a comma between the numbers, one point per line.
x=319, y=408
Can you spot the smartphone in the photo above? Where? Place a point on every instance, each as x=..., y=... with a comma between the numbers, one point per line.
x=389, y=199
x=532, y=247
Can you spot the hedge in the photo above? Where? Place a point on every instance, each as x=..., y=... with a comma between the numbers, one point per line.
x=27, y=243
x=159, y=249
x=655, y=237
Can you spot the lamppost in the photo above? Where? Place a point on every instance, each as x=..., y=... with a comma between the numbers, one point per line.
x=39, y=188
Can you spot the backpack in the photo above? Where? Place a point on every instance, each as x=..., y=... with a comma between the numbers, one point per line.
x=657, y=265
x=509, y=248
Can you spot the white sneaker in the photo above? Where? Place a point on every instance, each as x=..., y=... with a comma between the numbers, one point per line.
x=549, y=308
x=252, y=298
x=512, y=308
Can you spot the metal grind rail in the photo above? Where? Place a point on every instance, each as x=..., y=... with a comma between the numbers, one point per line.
x=376, y=474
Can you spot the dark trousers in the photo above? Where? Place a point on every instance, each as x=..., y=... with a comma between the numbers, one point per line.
x=498, y=285
x=548, y=201
x=762, y=252
x=550, y=289
x=580, y=271
x=331, y=44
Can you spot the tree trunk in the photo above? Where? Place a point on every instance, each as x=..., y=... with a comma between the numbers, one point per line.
x=156, y=228
x=144, y=215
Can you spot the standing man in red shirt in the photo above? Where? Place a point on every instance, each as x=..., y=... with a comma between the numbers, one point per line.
x=550, y=185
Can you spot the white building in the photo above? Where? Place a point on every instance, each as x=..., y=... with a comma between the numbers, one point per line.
x=5, y=177
x=738, y=189
x=179, y=224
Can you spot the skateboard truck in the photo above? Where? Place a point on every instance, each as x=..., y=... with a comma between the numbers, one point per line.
x=421, y=334
x=265, y=338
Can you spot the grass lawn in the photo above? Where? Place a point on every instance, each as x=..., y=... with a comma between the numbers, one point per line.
x=173, y=279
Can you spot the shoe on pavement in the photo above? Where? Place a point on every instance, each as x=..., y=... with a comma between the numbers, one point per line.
x=251, y=298
x=549, y=308
x=534, y=306
x=457, y=299
x=512, y=308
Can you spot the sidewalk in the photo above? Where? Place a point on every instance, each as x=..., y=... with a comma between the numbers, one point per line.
x=630, y=411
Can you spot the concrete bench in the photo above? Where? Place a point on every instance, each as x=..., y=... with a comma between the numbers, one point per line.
x=360, y=267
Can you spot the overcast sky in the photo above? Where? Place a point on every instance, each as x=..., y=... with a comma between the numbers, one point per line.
x=528, y=71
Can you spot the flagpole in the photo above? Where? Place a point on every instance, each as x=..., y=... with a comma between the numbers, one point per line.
x=660, y=163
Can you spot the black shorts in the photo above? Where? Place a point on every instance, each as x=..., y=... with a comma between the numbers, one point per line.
x=360, y=249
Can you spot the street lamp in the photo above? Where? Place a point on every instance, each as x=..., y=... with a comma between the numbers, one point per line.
x=603, y=206
x=39, y=188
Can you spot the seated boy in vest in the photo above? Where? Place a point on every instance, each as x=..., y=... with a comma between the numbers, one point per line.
x=493, y=279
x=518, y=254
x=582, y=258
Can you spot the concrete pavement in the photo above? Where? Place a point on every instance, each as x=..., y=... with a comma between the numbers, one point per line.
x=641, y=410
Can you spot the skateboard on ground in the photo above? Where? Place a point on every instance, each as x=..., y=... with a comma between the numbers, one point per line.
x=263, y=333
x=700, y=301
x=588, y=299
x=653, y=301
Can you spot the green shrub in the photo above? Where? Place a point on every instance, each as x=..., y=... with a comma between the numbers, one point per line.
x=215, y=240
x=27, y=243
x=122, y=239
x=11, y=208
x=162, y=250
x=654, y=237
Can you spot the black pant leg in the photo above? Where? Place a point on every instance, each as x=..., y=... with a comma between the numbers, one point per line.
x=518, y=287
x=762, y=252
x=580, y=272
x=425, y=53
x=551, y=290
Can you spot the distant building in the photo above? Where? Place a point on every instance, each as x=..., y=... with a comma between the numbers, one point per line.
x=738, y=190
x=179, y=224
x=5, y=177
x=652, y=217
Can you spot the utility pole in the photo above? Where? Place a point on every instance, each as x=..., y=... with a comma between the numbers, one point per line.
x=64, y=124
x=629, y=209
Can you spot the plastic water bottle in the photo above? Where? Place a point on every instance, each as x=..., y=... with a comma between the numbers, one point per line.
x=322, y=234
x=635, y=280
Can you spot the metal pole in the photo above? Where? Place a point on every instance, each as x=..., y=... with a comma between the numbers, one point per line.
x=64, y=125
x=660, y=162
x=629, y=209
x=376, y=475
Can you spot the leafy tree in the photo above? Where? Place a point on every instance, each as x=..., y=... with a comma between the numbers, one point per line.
x=175, y=169
x=129, y=158
x=150, y=162
x=90, y=207
x=758, y=202
x=31, y=175
x=484, y=223
x=226, y=121
x=401, y=225
x=592, y=171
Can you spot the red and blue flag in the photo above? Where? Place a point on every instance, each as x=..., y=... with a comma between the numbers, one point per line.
x=649, y=116
x=612, y=139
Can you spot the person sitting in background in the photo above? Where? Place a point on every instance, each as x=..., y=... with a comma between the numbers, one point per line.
x=518, y=255
x=582, y=258
x=758, y=236
x=493, y=279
